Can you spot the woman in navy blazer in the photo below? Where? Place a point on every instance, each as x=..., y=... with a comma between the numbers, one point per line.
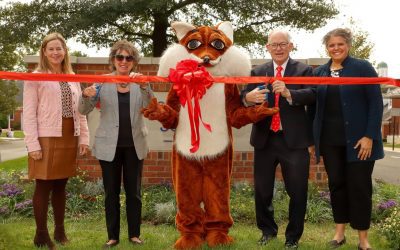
x=347, y=131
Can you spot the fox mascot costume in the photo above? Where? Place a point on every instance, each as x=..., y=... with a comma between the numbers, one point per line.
x=202, y=179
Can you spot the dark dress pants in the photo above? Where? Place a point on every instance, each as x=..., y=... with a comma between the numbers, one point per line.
x=127, y=164
x=350, y=185
x=295, y=166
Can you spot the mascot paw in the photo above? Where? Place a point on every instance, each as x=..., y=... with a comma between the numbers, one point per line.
x=189, y=241
x=153, y=111
x=217, y=238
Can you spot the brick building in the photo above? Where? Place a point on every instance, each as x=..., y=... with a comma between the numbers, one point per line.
x=157, y=165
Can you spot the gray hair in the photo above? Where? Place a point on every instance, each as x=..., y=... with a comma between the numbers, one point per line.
x=342, y=32
x=123, y=45
x=284, y=32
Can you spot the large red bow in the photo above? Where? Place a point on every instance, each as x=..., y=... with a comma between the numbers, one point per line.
x=191, y=82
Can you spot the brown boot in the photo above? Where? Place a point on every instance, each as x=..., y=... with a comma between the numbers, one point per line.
x=59, y=235
x=42, y=239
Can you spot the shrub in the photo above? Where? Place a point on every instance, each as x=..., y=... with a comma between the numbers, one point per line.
x=93, y=188
x=13, y=201
x=165, y=212
x=84, y=198
x=153, y=195
x=318, y=205
x=390, y=228
x=242, y=202
x=385, y=198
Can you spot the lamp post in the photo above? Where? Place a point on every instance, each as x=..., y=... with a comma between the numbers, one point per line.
x=394, y=131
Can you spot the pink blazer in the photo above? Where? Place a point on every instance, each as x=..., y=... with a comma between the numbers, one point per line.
x=42, y=114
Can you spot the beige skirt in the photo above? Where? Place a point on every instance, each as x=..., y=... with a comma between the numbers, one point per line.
x=58, y=155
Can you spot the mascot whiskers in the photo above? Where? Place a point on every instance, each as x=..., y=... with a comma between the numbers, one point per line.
x=201, y=177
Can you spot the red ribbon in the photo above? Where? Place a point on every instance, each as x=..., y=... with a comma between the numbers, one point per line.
x=191, y=82
x=228, y=80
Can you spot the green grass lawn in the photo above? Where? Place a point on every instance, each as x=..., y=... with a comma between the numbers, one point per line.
x=390, y=145
x=91, y=234
x=16, y=164
x=17, y=134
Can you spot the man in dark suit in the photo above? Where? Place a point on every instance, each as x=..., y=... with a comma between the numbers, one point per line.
x=283, y=139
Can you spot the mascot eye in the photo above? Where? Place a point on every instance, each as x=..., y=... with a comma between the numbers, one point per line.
x=193, y=44
x=218, y=44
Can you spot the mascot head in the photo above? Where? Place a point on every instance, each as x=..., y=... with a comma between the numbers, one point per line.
x=205, y=44
x=211, y=47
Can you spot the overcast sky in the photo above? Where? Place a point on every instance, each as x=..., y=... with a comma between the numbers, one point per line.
x=378, y=18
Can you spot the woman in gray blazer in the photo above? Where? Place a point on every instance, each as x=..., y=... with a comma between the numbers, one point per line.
x=120, y=140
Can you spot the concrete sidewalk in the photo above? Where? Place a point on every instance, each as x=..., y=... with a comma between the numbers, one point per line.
x=388, y=168
x=12, y=148
x=390, y=149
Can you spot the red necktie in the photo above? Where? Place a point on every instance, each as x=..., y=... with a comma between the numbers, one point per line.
x=276, y=119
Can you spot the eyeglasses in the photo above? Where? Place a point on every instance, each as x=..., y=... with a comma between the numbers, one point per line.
x=120, y=58
x=276, y=45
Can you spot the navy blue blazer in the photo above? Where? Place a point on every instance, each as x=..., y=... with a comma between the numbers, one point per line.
x=296, y=124
x=362, y=107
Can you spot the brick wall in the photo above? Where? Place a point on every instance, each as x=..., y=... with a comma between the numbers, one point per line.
x=16, y=122
x=157, y=165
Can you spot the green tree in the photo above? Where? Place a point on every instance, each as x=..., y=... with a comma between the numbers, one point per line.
x=8, y=92
x=146, y=22
x=78, y=54
x=361, y=46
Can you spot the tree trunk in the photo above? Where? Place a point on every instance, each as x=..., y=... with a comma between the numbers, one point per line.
x=159, y=35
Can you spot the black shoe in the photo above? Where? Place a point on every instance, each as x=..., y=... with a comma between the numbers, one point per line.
x=333, y=244
x=265, y=238
x=291, y=244
x=360, y=248
x=107, y=246
x=136, y=242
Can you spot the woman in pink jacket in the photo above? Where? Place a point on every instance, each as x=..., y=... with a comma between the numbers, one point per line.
x=54, y=133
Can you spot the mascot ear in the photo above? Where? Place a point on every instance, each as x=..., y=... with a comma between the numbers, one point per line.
x=227, y=28
x=181, y=29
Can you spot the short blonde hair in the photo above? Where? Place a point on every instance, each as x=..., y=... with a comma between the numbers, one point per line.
x=44, y=65
x=342, y=32
x=123, y=45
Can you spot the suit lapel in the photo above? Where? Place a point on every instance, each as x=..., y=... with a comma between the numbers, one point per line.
x=132, y=103
x=269, y=68
x=289, y=71
x=114, y=100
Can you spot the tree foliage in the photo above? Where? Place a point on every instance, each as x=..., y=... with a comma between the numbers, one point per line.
x=145, y=22
x=8, y=92
x=361, y=46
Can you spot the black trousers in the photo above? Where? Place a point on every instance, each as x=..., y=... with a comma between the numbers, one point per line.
x=127, y=164
x=350, y=185
x=295, y=167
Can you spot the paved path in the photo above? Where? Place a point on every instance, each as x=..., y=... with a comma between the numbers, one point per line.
x=388, y=169
x=12, y=149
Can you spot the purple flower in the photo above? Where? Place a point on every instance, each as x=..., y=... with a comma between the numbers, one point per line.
x=325, y=196
x=3, y=210
x=387, y=204
x=23, y=205
x=10, y=190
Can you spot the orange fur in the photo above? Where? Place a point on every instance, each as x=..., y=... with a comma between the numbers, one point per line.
x=205, y=180
x=206, y=35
